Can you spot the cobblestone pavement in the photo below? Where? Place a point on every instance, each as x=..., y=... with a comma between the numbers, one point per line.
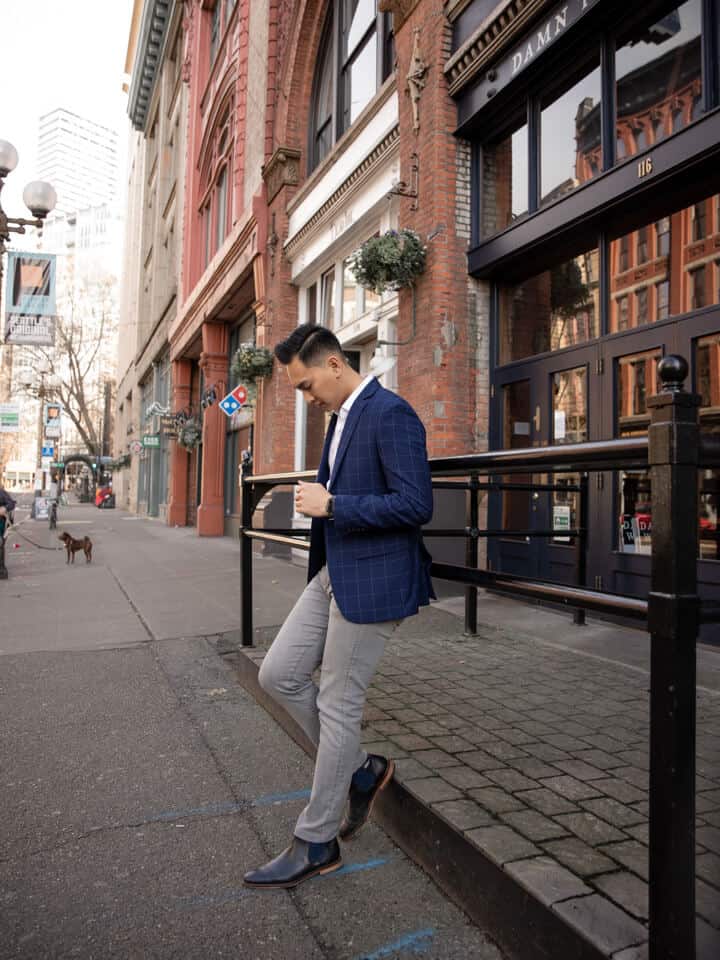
x=539, y=756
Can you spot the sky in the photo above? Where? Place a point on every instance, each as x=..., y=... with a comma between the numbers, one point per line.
x=58, y=53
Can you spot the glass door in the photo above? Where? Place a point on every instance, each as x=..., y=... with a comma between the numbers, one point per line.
x=545, y=401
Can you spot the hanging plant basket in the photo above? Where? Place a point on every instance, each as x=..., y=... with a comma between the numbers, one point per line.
x=189, y=434
x=251, y=363
x=389, y=262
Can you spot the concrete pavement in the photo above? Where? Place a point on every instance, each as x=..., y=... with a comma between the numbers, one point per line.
x=139, y=779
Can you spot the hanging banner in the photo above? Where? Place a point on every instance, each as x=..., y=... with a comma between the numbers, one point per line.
x=30, y=307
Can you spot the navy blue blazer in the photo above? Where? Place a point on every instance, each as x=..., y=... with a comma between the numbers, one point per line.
x=378, y=565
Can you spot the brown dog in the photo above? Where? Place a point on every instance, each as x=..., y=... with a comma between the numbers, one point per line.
x=72, y=546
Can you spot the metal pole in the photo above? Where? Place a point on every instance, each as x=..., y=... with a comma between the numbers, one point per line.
x=471, y=556
x=581, y=546
x=246, y=549
x=673, y=619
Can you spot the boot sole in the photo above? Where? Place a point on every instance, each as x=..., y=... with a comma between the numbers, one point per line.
x=387, y=777
x=288, y=884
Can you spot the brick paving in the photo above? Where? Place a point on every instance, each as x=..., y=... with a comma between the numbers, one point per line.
x=538, y=755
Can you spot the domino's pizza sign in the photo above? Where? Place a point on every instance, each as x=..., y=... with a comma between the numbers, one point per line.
x=234, y=400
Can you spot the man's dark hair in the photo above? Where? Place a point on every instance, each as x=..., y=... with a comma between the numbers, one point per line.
x=309, y=343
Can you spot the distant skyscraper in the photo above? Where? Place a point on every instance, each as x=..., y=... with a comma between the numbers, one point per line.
x=80, y=159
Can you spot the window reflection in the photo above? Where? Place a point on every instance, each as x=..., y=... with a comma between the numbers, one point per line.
x=552, y=310
x=505, y=181
x=516, y=434
x=707, y=384
x=666, y=268
x=570, y=138
x=659, y=78
x=636, y=380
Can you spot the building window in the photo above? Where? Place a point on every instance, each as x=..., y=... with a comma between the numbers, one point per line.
x=624, y=254
x=569, y=133
x=505, y=180
x=327, y=304
x=356, y=56
x=658, y=69
x=698, y=221
x=641, y=306
x=221, y=208
x=662, y=292
x=697, y=288
x=623, y=313
x=642, y=246
x=662, y=236
x=215, y=29
x=207, y=222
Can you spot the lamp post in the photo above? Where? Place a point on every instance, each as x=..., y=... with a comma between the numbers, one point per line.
x=39, y=197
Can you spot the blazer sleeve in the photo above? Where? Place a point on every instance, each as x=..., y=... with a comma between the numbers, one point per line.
x=403, y=455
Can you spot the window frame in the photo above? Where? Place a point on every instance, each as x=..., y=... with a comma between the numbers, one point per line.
x=331, y=46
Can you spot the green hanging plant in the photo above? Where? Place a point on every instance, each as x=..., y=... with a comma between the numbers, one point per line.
x=189, y=434
x=251, y=363
x=389, y=262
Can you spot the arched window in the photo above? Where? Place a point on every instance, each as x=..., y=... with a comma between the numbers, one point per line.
x=356, y=56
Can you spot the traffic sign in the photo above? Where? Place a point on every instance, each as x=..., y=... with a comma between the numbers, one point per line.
x=151, y=440
x=58, y=465
x=48, y=450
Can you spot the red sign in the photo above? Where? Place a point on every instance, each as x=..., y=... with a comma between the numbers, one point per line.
x=240, y=394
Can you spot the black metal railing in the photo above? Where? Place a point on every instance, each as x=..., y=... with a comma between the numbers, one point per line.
x=672, y=452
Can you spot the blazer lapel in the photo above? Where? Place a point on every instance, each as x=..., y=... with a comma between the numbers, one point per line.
x=324, y=468
x=349, y=428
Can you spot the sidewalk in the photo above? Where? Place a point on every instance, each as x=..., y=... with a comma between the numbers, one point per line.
x=528, y=746
x=140, y=781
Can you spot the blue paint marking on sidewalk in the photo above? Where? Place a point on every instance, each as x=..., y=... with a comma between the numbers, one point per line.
x=358, y=867
x=271, y=798
x=417, y=942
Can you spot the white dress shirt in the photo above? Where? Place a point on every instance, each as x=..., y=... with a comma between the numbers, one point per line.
x=341, y=419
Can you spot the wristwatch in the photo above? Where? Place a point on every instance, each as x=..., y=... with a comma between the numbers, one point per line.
x=330, y=506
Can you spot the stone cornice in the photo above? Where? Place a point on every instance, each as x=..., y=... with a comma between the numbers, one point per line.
x=153, y=32
x=282, y=169
x=378, y=156
x=201, y=302
x=489, y=40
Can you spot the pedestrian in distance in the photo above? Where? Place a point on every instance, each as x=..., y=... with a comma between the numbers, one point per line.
x=368, y=570
x=7, y=505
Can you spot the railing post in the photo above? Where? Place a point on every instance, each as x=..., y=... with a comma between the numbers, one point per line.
x=581, y=545
x=673, y=619
x=471, y=555
x=246, y=580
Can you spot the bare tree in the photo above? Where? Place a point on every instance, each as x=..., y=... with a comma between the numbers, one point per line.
x=80, y=363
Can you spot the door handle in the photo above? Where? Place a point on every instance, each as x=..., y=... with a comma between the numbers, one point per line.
x=537, y=419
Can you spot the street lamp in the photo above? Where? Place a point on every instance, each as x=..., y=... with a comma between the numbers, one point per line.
x=39, y=197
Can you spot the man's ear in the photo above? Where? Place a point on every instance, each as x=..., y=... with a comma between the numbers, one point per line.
x=335, y=364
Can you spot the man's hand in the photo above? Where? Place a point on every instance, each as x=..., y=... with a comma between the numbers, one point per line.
x=311, y=499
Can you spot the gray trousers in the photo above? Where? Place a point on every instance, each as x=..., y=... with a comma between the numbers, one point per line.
x=316, y=634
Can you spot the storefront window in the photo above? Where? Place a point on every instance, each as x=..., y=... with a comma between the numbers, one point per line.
x=505, y=181
x=658, y=69
x=707, y=384
x=552, y=310
x=570, y=151
x=672, y=263
x=636, y=380
x=517, y=427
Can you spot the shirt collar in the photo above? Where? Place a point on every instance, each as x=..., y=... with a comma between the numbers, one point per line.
x=345, y=408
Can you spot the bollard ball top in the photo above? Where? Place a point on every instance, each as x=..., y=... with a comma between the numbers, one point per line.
x=673, y=371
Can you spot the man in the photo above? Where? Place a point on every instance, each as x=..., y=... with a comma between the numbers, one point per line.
x=368, y=570
x=7, y=505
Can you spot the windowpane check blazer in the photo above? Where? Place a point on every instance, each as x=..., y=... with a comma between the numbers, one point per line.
x=378, y=565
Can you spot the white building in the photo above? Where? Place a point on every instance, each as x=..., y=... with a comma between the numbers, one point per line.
x=80, y=158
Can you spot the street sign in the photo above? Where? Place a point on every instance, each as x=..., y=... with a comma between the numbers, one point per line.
x=135, y=446
x=9, y=417
x=57, y=465
x=151, y=440
x=234, y=400
x=48, y=450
